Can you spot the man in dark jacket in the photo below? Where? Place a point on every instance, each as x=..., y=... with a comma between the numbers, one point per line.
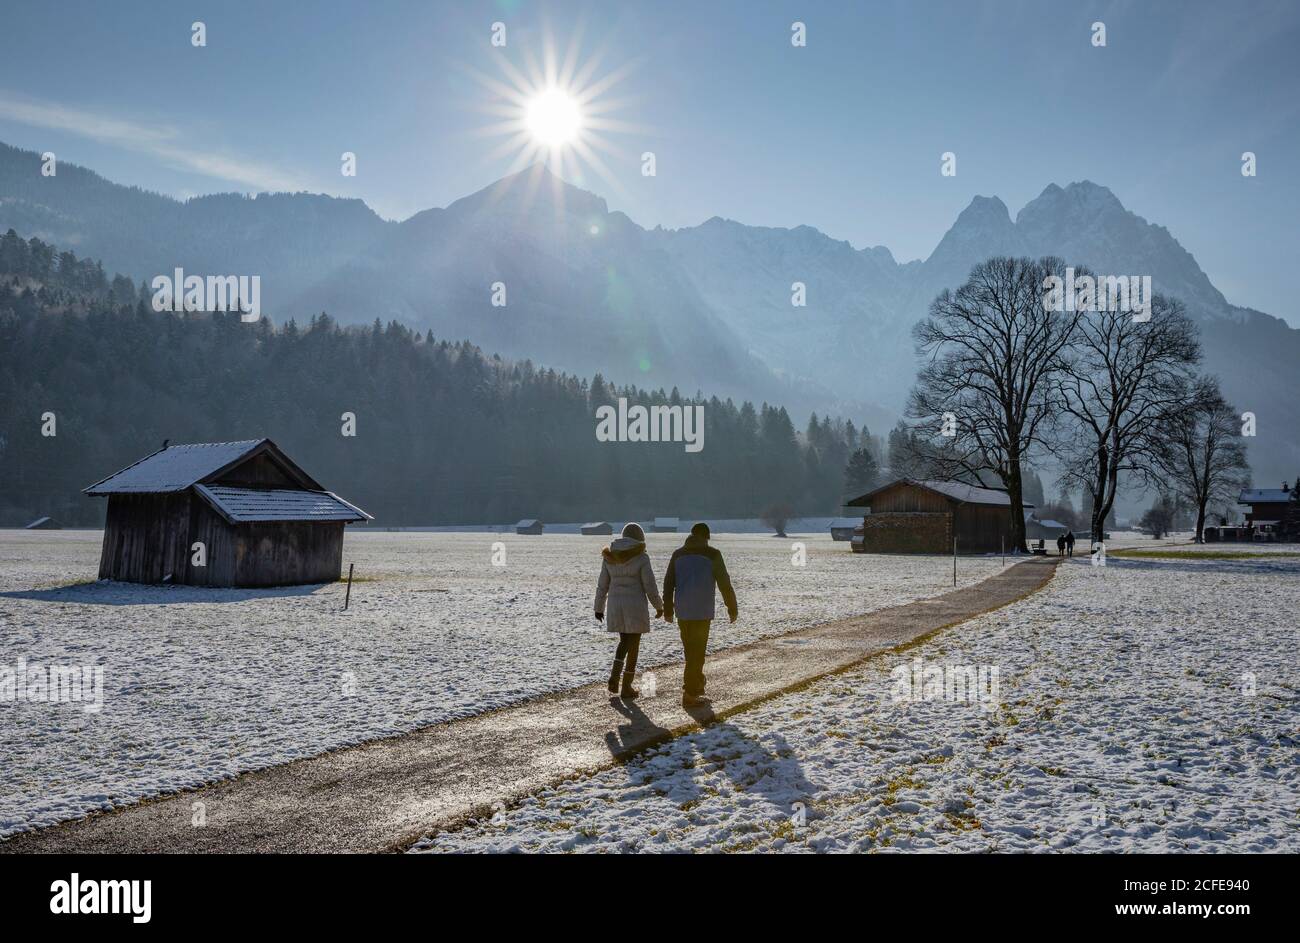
x=694, y=572
x=1069, y=543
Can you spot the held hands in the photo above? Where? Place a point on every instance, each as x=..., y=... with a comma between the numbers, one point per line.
x=600, y=617
x=658, y=613
x=731, y=616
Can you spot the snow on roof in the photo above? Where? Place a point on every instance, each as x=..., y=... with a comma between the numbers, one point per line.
x=238, y=505
x=528, y=522
x=1264, y=496
x=666, y=522
x=967, y=494
x=174, y=468
x=845, y=522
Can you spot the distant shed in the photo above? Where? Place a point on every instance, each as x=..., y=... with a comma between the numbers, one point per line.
x=44, y=523
x=529, y=525
x=842, y=528
x=598, y=528
x=664, y=525
x=261, y=519
x=924, y=516
x=1037, y=528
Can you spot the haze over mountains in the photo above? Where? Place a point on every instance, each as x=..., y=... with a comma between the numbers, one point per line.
x=703, y=308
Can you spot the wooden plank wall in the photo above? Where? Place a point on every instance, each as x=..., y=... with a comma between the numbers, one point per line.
x=909, y=498
x=258, y=472
x=284, y=553
x=981, y=528
x=146, y=537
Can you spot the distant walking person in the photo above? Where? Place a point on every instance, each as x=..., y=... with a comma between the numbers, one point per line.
x=1060, y=546
x=1069, y=542
x=694, y=572
x=626, y=584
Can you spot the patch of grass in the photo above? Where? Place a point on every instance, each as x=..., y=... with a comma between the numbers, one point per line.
x=963, y=823
x=1200, y=554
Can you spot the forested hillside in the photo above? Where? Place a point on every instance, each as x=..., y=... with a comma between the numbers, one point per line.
x=444, y=432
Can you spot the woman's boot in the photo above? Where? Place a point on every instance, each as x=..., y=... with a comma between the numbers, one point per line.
x=628, y=692
x=613, y=675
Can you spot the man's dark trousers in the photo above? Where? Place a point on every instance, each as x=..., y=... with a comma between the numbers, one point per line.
x=695, y=639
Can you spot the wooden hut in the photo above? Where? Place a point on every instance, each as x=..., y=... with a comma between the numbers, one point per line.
x=842, y=528
x=924, y=516
x=44, y=523
x=1269, y=509
x=261, y=520
x=598, y=528
x=1037, y=528
x=664, y=525
x=529, y=525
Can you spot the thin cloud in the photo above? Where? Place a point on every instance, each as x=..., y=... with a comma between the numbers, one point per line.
x=164, y=143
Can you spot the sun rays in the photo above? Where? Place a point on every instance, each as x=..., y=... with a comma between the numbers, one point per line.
x=557, y=112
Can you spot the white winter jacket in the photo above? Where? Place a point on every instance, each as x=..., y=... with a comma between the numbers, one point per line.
x=626, y=585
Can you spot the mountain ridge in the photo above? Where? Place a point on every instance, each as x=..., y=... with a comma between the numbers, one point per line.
x=590, y=290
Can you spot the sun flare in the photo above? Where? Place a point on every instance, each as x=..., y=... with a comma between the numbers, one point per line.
x=553, y=118
x=559, y=112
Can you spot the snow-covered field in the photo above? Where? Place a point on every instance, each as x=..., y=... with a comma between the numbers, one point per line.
x=1144, y=706
x=202, y=684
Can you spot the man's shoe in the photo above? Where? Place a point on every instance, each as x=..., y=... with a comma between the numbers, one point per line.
x=627, y=692
x=613, y=676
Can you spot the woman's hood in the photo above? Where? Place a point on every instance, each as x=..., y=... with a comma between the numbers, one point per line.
x=623, y=549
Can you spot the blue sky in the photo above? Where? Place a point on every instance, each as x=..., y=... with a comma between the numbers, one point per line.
x=844, y=134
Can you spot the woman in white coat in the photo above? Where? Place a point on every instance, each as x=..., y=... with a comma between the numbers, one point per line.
x=625, y=587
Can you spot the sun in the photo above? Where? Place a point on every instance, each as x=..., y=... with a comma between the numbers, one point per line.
x=553, y=118
x=557, y=112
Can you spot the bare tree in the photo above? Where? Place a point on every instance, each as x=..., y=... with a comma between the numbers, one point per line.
x=777, y=516
x=1159, y=518
x=1125, y=382
x=983, y=396
x=1204, y=457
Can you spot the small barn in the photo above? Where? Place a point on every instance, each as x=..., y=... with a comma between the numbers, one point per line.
x=664, y=525
x=1037, y=528
x=1270, y=509
x=261, y=520
x=924, y=516
x=44, y=523
x=842, y=528
x=598, y=528
x=529, y=525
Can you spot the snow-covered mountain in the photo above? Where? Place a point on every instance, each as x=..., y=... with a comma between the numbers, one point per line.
x=707, y=307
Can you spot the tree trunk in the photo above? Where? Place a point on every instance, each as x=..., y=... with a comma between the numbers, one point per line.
x=1200, y=522
x=1015, y=492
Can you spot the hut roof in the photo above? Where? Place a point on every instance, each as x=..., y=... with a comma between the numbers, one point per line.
x=528, y=522
x=177, y=467
x=955, y=490
x=1264, y=496
x=238, y=505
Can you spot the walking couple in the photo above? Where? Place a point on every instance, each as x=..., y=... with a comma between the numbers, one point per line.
x=626, y=589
